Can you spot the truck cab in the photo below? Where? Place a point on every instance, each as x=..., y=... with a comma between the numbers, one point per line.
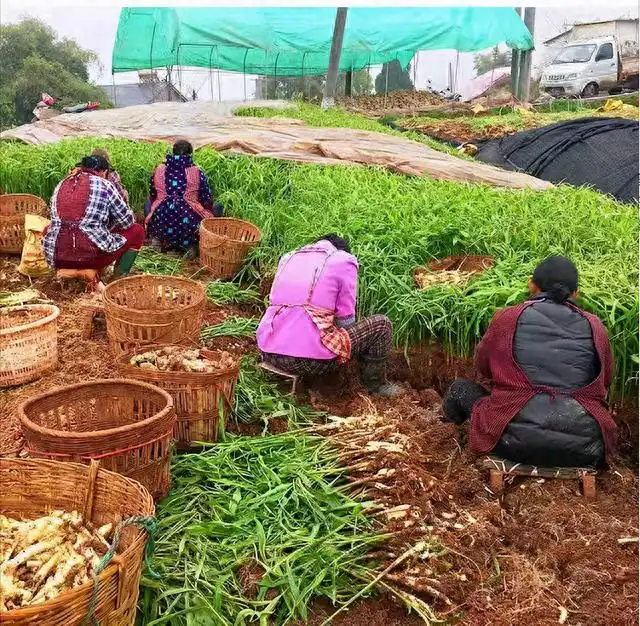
x=583, y=68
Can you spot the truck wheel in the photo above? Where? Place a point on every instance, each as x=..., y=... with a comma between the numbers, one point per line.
x=590, y=91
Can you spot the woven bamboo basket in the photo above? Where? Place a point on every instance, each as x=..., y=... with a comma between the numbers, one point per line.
x=202, y=401
x=13, y=208
x=28, y=343
x=225, y=243
x=145, y=310
x=127, y=425
x=33, y=488
x=471, y=265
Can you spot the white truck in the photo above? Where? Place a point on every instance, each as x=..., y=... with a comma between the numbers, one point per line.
x=592, y=58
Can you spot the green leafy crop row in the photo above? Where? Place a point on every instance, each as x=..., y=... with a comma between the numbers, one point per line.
x=396, y=223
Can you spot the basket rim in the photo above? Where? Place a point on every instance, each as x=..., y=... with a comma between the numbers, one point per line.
x=108, y=571
x=122, y=362
x=218, y=220
x=4, y=196
x=108, y=302
x=53, y=315
x=94, y=434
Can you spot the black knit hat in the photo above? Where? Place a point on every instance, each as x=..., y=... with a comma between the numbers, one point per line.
x=556, y=276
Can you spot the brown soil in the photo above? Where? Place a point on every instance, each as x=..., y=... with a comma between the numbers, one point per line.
x=518, y=559
x=384, y=611
x=461, y=132
x=376, y=105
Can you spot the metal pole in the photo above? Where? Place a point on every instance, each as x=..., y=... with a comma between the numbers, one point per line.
x=515, y=63
x=275, y=77
x=524, y=75
x=304, y=81
x=211, y=74
x=415, y=69
x=386, y=84
x=329, y=98
x=179, y=68
x=348, y=82
x=218, y=64
x=244, y=73
x=115, y=93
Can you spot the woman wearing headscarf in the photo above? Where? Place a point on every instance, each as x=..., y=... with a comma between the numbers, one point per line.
x=549, y=366
x=179, y=199
x=91, y=225
x=310, y=327
x=112, y=174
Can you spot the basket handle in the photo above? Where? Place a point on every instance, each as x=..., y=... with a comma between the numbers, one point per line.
x=91, y=489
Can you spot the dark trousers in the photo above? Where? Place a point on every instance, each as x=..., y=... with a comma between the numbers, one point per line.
x=458, y=402
x=371, y=341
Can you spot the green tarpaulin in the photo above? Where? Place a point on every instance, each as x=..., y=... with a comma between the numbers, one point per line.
x=295, y=41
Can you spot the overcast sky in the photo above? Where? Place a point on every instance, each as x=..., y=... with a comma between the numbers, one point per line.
x=94, y=27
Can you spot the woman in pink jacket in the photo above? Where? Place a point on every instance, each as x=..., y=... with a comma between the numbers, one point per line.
x=310, y=326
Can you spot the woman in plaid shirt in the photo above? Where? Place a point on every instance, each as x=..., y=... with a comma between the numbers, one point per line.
x=91, y=225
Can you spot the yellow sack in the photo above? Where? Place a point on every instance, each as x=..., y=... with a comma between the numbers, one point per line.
x=33, y=262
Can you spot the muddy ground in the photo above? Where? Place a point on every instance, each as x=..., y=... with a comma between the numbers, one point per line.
x=540, y=554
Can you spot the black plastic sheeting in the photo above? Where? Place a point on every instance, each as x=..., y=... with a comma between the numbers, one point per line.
x=594, y=151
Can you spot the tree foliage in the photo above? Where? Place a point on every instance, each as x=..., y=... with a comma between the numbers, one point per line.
x=397, y=80
x=485, y=62
x=33, y=60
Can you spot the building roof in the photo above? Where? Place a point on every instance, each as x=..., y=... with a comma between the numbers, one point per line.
x=142, y=93
x=563, y=33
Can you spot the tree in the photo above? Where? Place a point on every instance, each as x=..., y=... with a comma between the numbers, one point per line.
x=483, y=63
x=398, y=79
x=34, y=60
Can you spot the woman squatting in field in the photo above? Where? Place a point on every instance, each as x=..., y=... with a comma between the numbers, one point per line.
x=549, y=366
x=179, y=199
x=91, y=225
x=310, y=327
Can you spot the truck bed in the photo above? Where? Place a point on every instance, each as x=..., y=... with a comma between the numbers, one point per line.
x=629, y=66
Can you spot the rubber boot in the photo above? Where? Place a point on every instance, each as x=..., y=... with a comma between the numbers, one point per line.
x=155, y=245
x=374, y=378
x=125, y=263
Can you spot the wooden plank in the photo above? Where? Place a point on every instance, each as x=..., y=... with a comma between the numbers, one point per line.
x=520, y=469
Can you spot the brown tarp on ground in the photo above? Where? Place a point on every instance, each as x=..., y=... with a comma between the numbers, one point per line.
x=280, y=138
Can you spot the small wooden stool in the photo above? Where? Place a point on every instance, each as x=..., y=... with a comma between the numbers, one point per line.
x=293, y=378
x=498, y=468
x=89, y=310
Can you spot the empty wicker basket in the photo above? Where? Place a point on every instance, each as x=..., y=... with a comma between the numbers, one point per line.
x=127, y=425
x=13, y=208
x=33, y=488
x=28, y=343
x=145, y=310
x=202, y=400
x=225, y=243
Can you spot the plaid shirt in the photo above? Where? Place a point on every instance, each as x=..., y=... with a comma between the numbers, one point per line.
x=335, y=339
x=106, y=210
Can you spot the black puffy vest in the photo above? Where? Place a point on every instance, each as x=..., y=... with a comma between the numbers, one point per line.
x=554, y=347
